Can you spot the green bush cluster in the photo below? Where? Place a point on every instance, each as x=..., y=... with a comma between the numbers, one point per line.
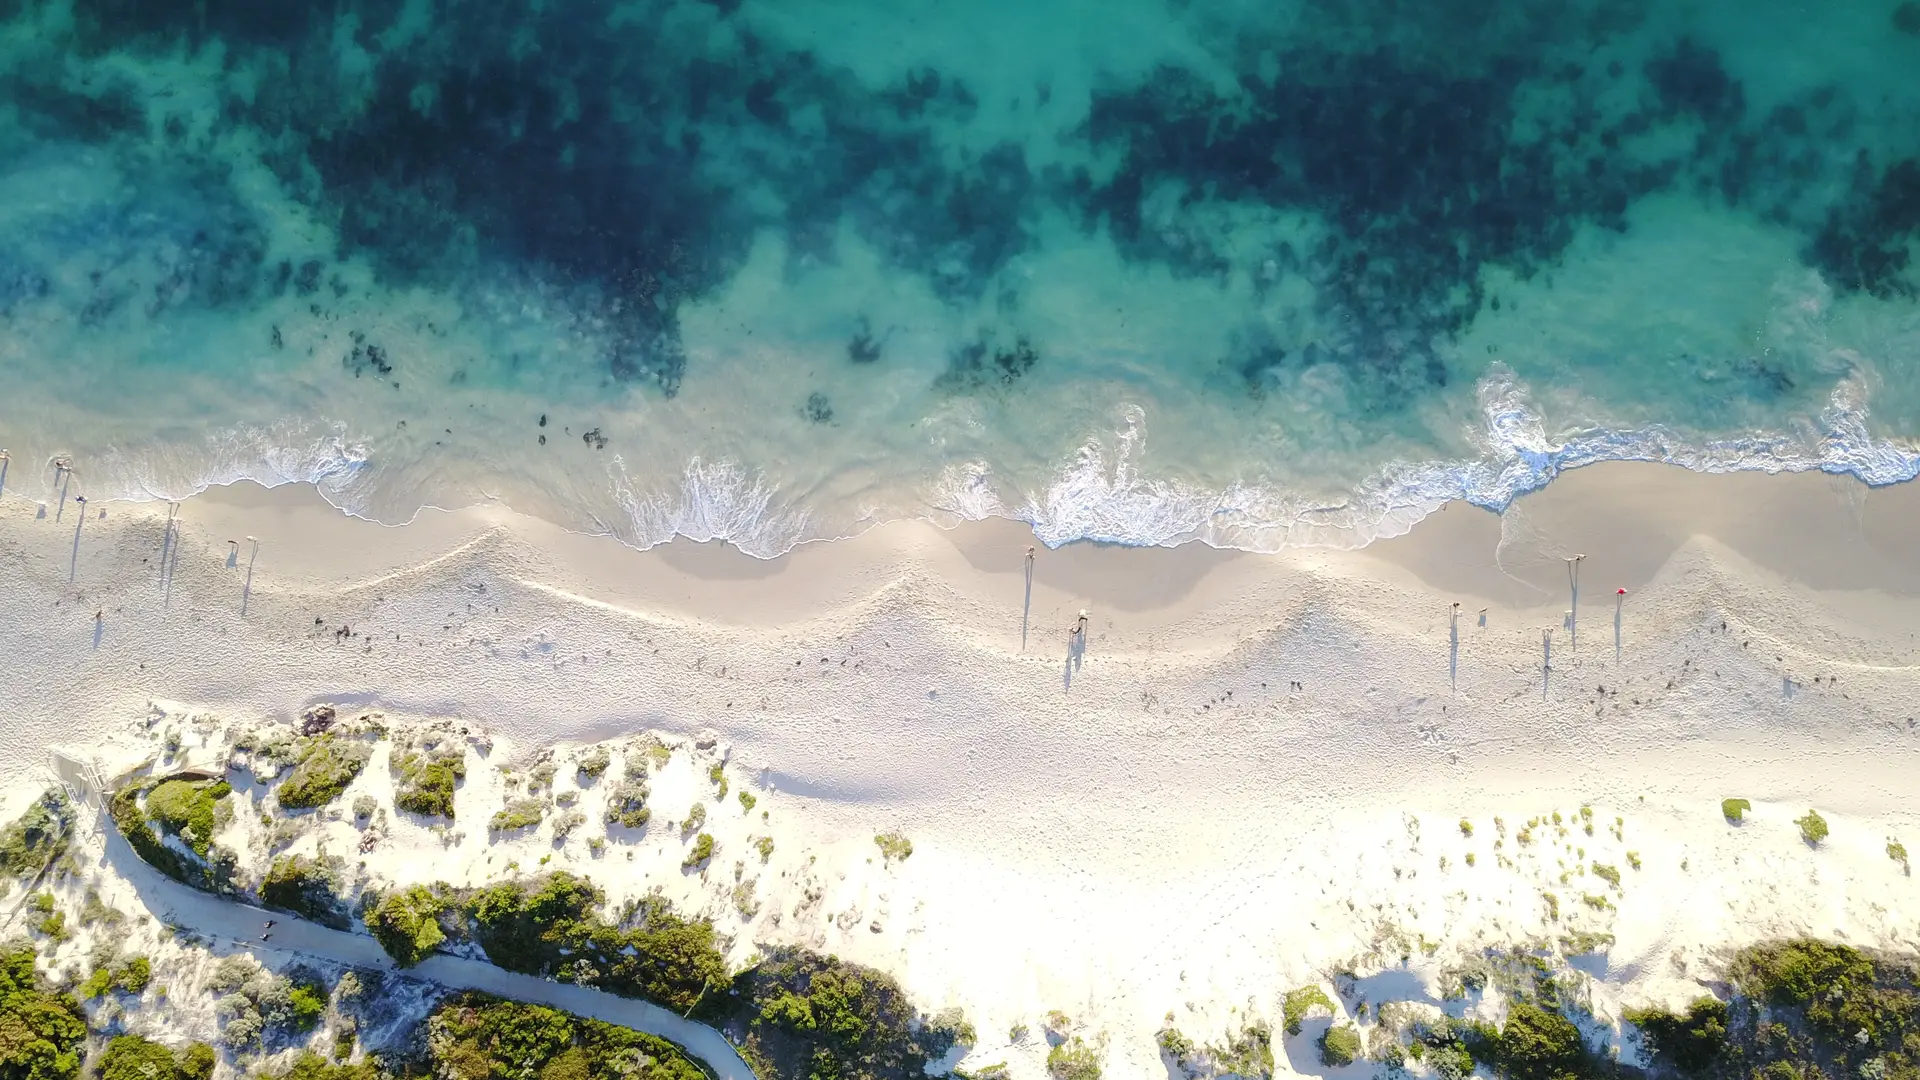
x=476, y=1037
x=518, y=814
x=1689, y=1041
x=42, y=1031
x=425, y=778
x=308, y=1065
x=407, y=923
x=1339, y=1045
x=1813, y=828
x=328, y=763
x=798, y=1014
x=552, y=926
x=130, y=1057
x=1734, y=810
x=701, y=851
x=894, y=847
x=132, y=976
x=627, y=801
x=308, y=888
x=593, y=762
x=1073, y=1059
x=187, y=809
x=1299, y=1004
x=38, y=836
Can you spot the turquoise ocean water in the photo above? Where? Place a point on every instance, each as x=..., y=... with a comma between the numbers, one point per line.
x=1133, y=270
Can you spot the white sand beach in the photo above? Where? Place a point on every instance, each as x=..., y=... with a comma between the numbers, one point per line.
x=1251, y=774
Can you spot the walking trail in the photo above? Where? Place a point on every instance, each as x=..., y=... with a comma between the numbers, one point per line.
x=219, y=920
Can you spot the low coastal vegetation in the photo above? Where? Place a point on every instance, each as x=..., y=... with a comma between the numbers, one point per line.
x=307, y=887
x=518, y=814
x=1813, y=828
x=42, y=1030
x=1734, y=810
x=152, y=811
x=38, y=837
x=627, y=801
x=894, y=847
x=1300, y=1003
x=406, y=923
x=131, y=1057
x=798, y=1014
x=476, y=1037
x=426, y=770
x=328, y=764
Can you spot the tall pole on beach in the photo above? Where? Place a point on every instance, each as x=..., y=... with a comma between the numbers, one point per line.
x=1573, y=607
x=73, y=563
x=246, y=591
x=1619, y=604
x=62, y=472
x=1546, y=659
x=4, y=460
x=1026, y=608
x=1453, y=646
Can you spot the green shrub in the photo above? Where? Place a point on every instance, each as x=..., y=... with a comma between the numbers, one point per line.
x=746, y=801
x=1466, y=828
x=518, y=814
x=311, y=1066
x=185, y=808
x=1538, y=1044
x=702, y=851
x=131, y=1057
x=1734, y=809
x=1300, y=1003
x=552, y=926
x=1689, y=1041
x=764, y=845
x=306, y=887
x=472, y=1037
x=134, y=976
x=1813, y=828
x=1608, y=874
x=1833, y=982
x=1174, y=1045
x=797, y=1014
x=307, y=1005
x=1896, y=851
x=197, y=1061
x=327, y=765
x=407, y=924
x=1339, y=1045
x=627, y=802
x=38, y=836
x=1073, y=1060
x=593, y=762
x=894, y=847
x=425, y=779
x=42, y=1032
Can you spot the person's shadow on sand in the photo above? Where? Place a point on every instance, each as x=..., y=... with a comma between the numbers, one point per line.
x=1076, y=653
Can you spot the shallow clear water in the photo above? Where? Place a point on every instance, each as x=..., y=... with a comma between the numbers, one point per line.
x=1255, y=273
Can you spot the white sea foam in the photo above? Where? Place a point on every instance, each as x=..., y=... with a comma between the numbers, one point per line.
x=1101, y=494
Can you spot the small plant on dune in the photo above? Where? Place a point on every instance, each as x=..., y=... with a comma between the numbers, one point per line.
x=1690, y=1040
x=425, y=779
x=765, y=846
x=1897, y=851
x=1813, y=828
x=1073, y=1060
x=746, y=801
x=407, y=924
x=1633, y=859
x=1466, y=828
x=1608, y=874
x=1300, y=1003
x=593, y=762
x=518, y=814
x=696, y=817
x=893, y=847
x=329, y=764
x=1734, y=810
x=627, y=802
x=38, y=836
x=185, y=809
x=702, y=851
x=1176, y=1046
x=1339, y=1045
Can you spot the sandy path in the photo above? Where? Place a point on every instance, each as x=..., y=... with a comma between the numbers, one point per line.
x=229, y=922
